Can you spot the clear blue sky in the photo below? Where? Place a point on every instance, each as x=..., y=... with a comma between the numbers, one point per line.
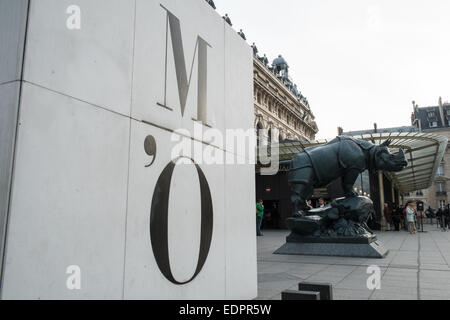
x=357, y=61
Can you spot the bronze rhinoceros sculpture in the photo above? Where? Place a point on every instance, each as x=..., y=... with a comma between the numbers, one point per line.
x=344, y=157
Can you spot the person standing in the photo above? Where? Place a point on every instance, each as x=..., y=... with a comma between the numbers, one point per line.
x=446, y=219
x=405, y=221
x=430, y=214
x=321, y=203
x=387, y=216
x=275, y=217
x=259, y=216
x=396, y=218
x=440, y=218
x=410, y=217
x=400, y=217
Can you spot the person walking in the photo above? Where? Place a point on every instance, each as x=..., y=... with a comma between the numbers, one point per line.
x=259, y=217
x=405, y=221
x=430, y=214
x=446, y=219
x=387, y=216
x=440, y=218
x=321, y=203
x=396, y=218
x=410, y=217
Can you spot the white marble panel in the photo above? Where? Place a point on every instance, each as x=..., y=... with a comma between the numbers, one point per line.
x=143, y=278
x=238, y=86
x=240, y=228
x=68, y=199
x=82, y=193
x=13, y=18
x=9, y=101
x=152, y=88
x=94, y=63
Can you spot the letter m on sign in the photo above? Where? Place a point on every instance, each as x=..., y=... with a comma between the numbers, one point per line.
x=183, y=82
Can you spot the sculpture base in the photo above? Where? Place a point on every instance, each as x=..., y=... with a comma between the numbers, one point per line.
x=361, y=239
x=361, y=247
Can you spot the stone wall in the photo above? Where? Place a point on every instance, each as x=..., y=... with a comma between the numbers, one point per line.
x=86, y=192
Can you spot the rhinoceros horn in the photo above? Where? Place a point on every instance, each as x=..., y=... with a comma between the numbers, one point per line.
x=400, y=154
x=387, y=143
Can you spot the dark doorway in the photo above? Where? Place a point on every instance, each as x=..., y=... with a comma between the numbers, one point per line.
x=271, y=219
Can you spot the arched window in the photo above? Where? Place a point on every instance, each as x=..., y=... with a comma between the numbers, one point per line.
x=259, y=127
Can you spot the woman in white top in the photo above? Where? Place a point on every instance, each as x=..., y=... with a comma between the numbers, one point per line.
x=410, y=217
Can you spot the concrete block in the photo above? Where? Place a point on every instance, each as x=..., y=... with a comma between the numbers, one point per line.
x=300, y=295
x=325, y=289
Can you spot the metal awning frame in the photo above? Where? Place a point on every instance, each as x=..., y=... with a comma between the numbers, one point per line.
x=418, y=146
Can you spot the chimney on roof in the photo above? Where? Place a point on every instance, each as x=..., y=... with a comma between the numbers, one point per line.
x=340, y=131
x=415, y=107
x=375, y=128
x=441, y=112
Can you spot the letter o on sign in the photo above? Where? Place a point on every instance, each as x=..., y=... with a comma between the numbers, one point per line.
x=159, y=221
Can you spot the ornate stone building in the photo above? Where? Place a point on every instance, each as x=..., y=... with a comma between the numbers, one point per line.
x=279, y=104
x=285, y=114
x=435, y=119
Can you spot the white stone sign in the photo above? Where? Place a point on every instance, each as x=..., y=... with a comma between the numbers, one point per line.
x=98, y=209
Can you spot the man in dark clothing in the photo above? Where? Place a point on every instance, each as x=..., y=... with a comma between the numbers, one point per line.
x=440, y=218
x=430, y=214
x=446, y=218
x=396, y=218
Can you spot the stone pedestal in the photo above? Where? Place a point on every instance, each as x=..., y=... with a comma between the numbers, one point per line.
x=339, y=229
x=362, y=247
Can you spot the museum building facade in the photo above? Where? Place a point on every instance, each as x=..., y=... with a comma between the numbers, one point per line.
x=278, y=103
x=282, y=113
x=434, y=119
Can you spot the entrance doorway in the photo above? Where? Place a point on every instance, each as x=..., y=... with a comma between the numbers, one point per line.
x=271, y=218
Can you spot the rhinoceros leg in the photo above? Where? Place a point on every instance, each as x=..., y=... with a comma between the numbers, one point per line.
x=299, y=194
x=348, y=181
x=302, y=187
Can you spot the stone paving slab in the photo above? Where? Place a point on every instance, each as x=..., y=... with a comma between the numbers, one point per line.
x=417, y=267
x=351, y=294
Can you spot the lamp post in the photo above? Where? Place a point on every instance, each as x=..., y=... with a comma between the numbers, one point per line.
x=381, y=187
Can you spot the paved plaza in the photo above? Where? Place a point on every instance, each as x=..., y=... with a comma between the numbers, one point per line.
x=416, y=268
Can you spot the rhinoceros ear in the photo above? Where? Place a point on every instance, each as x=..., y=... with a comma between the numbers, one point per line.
x=387, y=143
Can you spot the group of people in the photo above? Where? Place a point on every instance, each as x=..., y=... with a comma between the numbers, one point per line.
x=400, y=217
x=443, y=217
x=407, y=218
